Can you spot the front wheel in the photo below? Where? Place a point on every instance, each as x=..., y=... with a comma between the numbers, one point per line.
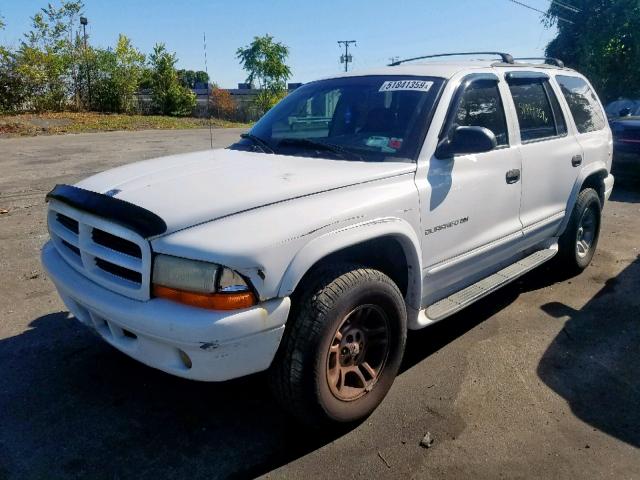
x=578, y=242
x=342, y=347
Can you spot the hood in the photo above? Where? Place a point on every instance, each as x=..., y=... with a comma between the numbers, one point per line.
x=194, y=188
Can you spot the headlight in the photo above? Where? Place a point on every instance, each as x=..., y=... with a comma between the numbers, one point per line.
x=200, y=284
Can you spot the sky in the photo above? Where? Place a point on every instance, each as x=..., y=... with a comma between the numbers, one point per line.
x=309, y=28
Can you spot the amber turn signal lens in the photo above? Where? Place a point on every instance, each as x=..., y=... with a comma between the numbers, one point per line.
x=212, y=301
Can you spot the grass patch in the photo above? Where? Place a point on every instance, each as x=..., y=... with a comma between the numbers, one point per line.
x=28, y=124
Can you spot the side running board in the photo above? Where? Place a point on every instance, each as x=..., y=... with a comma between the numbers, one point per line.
x=459, y=300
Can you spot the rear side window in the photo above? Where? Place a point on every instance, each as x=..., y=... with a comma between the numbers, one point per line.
x=538, y=110
x=583, y=103
x=481, y=106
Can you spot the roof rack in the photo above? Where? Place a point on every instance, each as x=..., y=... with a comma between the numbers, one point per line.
x=506, y=58
x=548, y=60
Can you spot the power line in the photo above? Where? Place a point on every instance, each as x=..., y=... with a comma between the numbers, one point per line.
x=346, y=58
x=539, y=11
x=566, y=6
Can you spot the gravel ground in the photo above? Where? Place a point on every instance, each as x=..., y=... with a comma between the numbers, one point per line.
x=540, y=380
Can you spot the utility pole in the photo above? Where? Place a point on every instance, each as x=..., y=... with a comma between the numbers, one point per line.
x=346, y=58
x=83, y=22
x=393, y=60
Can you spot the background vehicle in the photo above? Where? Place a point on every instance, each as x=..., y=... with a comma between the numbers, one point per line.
x=623, y=107
x=624, y=119
x=310, y=252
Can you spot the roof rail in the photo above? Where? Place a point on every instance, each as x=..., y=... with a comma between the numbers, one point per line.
x=506, y=58
x=548, y=60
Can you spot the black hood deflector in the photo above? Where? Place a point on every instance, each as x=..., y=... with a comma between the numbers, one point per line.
x=138, y=219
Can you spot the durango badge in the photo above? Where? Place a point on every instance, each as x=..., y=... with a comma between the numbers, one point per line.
x=444, y=226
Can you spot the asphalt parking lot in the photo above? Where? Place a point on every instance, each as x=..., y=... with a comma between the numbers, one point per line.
x=539, y=380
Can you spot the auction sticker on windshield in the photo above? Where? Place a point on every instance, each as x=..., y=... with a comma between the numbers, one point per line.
x=416, y=85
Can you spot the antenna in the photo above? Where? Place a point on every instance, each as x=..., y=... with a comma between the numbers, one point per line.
x=206, y=69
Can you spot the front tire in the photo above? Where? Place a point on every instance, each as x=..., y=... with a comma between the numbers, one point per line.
x=342, y=347
x=579, y=241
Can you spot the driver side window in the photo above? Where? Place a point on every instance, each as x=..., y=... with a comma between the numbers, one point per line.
x=481, y=106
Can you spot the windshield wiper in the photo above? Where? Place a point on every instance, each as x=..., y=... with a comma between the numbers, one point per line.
x=266, y=148
x=317, y=144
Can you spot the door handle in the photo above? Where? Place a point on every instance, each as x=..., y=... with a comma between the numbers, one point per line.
x=513, y=175
x=576, y=161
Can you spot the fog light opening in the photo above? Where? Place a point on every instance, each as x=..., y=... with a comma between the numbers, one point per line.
x=186, y=361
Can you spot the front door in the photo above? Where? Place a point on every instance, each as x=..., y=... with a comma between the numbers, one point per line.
x=470, y=210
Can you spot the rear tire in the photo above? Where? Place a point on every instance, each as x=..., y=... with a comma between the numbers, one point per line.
x=342, y=347
x=578, y=243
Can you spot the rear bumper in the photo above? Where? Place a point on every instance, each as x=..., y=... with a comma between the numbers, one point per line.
x=608, y=186
x=159, y=333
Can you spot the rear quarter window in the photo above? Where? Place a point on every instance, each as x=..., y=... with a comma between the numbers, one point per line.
x=583, y=103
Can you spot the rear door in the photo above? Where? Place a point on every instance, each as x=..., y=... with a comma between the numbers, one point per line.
x=551, y=156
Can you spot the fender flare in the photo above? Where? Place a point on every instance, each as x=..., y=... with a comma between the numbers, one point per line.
x=599, y=168
x=334, y=241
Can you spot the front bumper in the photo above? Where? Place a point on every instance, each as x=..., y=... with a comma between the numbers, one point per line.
x=159, y=333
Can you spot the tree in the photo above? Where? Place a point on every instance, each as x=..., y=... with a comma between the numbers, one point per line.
x=222, y=105
x=3, y=50
x=146, y=78
x=189, y=78
x=264, y=61
x=169, y=97
x=116, y=74
x=129, y=66
x=12, y=85
x=602, y=42
x=47, y=58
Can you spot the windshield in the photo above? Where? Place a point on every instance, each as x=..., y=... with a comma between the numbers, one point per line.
x=369, y=118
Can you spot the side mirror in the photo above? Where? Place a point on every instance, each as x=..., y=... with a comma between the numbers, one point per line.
x=625, y=112
x=465, y=140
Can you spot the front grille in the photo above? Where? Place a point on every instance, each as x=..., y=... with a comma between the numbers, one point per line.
x=116, y=243
x=75, y=250
x=119, y=271
x=105, y=252
x=69, y=223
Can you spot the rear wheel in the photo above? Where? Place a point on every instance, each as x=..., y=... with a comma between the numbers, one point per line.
x=342, y=347
x=578, y=242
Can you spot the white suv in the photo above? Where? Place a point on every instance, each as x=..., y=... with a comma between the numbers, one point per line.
x=359, y=207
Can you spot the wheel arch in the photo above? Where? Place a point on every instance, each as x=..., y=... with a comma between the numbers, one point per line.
x=374, y=244
x=590, y=177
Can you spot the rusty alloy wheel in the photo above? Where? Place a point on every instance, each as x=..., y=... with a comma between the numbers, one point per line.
x=358, y=352
x=342, y=348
